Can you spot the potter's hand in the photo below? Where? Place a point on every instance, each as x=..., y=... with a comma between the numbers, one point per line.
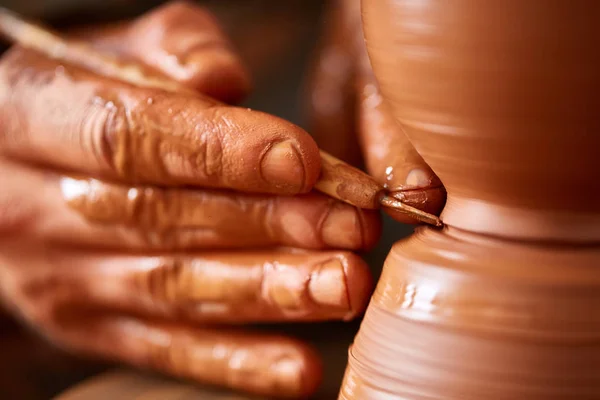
x=345, y=105
x=119, y=207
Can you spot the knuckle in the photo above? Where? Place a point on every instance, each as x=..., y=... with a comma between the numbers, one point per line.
x=210, y=158
x=152, y=208
x=150, y=214
x=285, y=288
x=105, y=132
x=162, y=284
x=265, y=214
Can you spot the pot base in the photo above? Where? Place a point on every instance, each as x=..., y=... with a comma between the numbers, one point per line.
x=462, y=316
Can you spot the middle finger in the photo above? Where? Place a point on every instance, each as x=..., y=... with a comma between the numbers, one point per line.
x=90, y=212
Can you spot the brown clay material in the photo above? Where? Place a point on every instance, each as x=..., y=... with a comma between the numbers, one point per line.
x=502, y=303
x=462, y=316
x=509, y=132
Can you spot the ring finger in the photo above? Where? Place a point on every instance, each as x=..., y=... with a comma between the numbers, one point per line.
x=233, y=287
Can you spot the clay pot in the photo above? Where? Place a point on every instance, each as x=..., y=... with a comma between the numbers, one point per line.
x=501, y=99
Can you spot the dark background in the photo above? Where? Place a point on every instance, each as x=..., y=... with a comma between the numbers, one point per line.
x=276, y=39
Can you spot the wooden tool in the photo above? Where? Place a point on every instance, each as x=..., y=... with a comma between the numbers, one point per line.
x=338, y=179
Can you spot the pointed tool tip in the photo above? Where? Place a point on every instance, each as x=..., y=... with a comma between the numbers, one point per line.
x=415, y=213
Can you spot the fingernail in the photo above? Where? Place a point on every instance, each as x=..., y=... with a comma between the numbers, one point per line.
x=418, y=179
x=283, y=168
x=288, y=375
x=328, y=285
x=342, y=228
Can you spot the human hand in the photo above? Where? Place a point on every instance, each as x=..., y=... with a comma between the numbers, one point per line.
x=351, y=120
x=135, y=223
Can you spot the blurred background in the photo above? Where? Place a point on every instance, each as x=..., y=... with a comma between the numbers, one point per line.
x=277, y=40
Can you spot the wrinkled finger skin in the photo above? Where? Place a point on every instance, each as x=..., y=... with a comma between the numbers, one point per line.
x=100, y=126
x=213, y=219
x=116, y=203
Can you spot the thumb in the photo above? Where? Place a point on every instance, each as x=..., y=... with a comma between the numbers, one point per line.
x=186, y=43
x=182, y=41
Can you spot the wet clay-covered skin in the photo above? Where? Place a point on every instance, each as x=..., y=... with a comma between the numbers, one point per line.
x=347, y=107
x=136, y=223
x=503, y=302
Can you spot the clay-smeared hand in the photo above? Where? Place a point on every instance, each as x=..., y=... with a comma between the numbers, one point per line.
x=132, y=219
x=350, y=118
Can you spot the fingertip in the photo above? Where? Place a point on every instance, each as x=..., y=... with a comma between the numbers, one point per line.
x=283, y=167
x=297, y=371
x=312, y=370
x=291, y=162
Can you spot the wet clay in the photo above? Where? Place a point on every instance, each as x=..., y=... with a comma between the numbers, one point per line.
x=461, y=316
x=503, y=302
x=505, y=113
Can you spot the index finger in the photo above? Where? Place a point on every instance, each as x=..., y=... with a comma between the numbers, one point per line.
x=66, y=117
